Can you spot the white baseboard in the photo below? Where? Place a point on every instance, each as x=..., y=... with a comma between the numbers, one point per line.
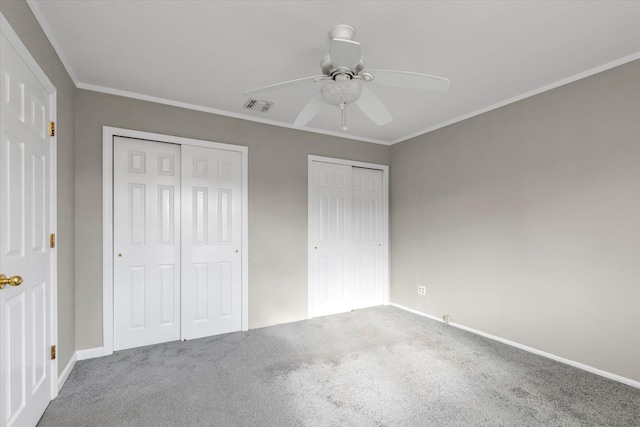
x=609, y=375
x=90, y=353
x=62, y=378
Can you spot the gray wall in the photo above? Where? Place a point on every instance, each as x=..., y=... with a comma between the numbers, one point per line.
x=277, y=199
x=19, y=16
x=524, y=222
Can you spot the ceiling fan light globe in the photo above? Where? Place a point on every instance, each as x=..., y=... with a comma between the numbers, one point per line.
x=341, y=92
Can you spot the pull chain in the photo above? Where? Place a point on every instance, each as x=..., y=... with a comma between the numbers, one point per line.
x=343, y=107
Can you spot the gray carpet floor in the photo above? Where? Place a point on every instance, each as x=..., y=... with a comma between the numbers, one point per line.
x=374, y=367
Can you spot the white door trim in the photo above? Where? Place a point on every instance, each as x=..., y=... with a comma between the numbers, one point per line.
x=385, y=222
x=107, y=219
x=30, y=61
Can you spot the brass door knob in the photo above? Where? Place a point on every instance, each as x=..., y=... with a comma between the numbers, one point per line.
x=11, y=281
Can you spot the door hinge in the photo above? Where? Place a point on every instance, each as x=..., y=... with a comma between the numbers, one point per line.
x=52, y=240
x=53, y=352
x=52, y=128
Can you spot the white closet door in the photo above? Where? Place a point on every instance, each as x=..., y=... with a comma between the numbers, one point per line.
x=332, y=228
x=146, y=227
x=367, y=237
x=25, y=224
x=211, y=242
x=346, y=231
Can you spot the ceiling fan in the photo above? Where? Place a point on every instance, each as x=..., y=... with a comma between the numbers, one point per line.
x=343, y=70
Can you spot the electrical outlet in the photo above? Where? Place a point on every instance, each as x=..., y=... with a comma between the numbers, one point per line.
x=422, y=290
x=446, y=318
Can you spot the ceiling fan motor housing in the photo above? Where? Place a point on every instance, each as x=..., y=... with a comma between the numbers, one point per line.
x=330, y=70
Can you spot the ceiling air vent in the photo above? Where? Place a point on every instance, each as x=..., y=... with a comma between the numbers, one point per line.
x=255, y=104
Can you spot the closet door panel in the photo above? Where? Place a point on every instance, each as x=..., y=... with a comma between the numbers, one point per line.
x=211, y=242
x=146, y=224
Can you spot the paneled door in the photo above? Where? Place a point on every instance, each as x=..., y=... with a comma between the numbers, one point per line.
x=211, y=241
x=146, y=224
x=346, y=237
x=177, y=242
x=25, y=256
x=331, y=226
x=367, y=237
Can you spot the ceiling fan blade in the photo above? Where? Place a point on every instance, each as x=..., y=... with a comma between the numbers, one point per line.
x=345, y=53
x=309, y=110
x=284, y=84
x=373, y=108
x=409, y=80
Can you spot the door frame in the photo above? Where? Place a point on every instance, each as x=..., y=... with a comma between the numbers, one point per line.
x=108, y=133
x=385, y=222
x=32, y=64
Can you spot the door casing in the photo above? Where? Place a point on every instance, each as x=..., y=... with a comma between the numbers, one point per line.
x=108, y=133
x=385, y=222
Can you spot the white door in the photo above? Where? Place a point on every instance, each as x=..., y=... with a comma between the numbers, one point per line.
x=177, y=242
x=330, y=222
x=25, y=225
x=211, y=241
x=346, y=233
x=367, y=237
x=146, y=224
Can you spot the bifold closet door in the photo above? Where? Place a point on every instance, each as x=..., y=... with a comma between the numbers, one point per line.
x=346, y=233
x=211, y=241
x=146, y=225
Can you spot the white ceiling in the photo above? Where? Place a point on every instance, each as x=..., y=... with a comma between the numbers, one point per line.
x=204, y=54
